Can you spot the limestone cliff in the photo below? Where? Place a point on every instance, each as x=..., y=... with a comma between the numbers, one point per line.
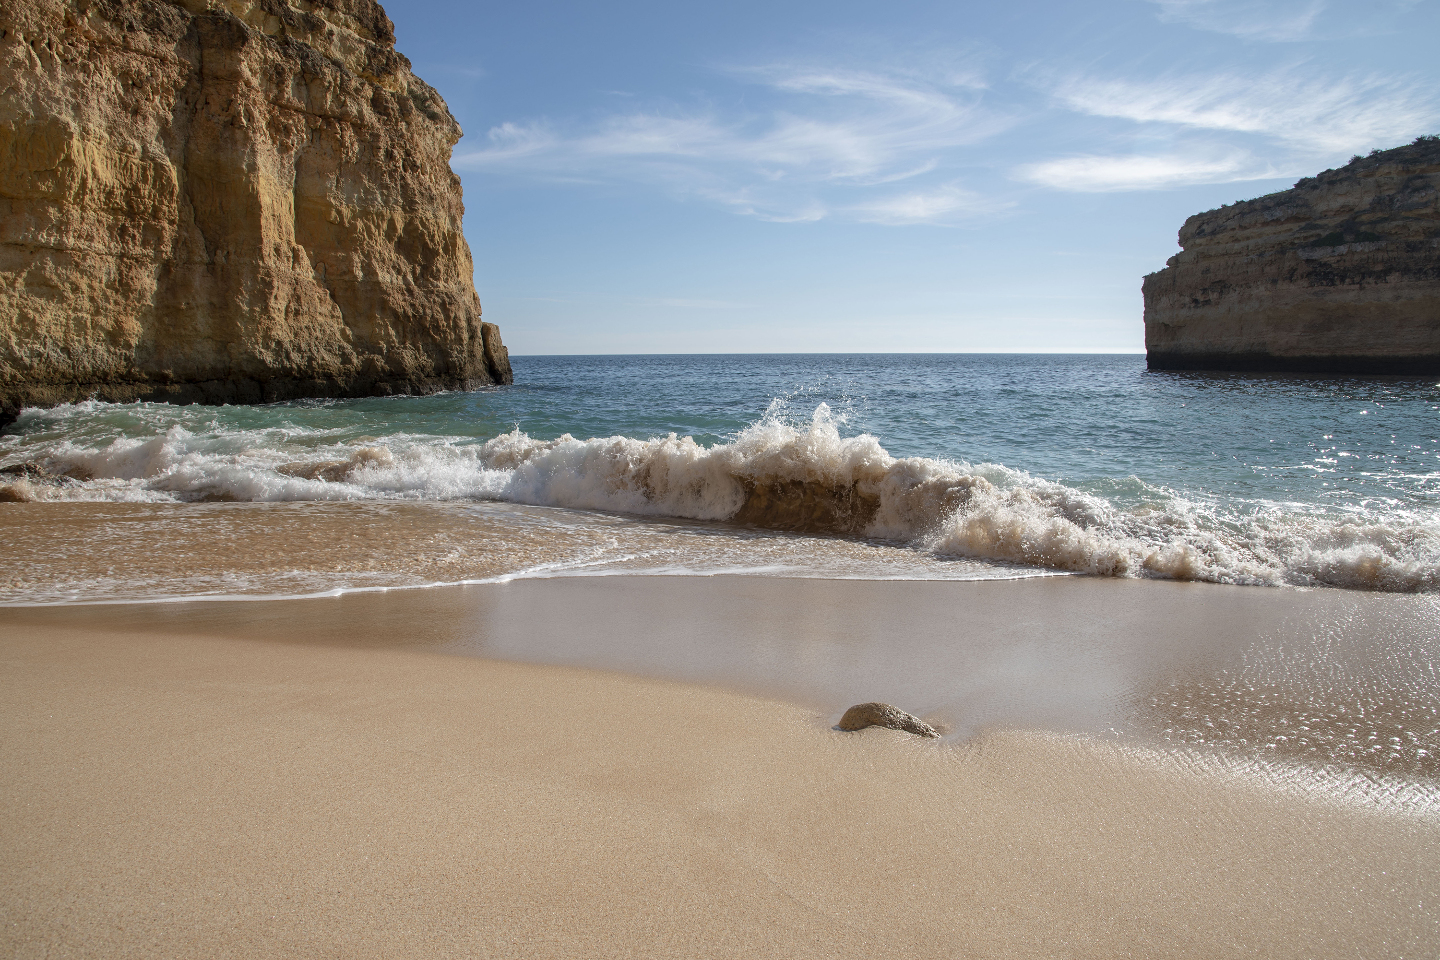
x=1341, y=273
x=227, y=201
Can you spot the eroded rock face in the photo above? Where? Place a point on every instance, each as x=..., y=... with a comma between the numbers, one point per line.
x=1341, y=273
x=227, y=201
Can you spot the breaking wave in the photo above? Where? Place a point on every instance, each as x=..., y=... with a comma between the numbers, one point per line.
x=777, y=474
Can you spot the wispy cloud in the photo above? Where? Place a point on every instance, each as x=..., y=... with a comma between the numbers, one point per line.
x=1272, y=20
x=1099, y=174
x=510, y=142
x=832, y=140
x=1291, y=105
x=939, y=205
x=1230, y=126
x=883, y=145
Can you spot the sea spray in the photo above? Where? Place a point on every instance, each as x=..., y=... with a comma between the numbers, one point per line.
x=778, y=473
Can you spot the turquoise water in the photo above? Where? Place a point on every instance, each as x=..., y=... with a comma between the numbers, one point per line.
x=1059, y=463
x=1099, y=421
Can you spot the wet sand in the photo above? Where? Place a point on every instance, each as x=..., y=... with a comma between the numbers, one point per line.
x=86, y=551
x=329, y=777
x=1313, y=676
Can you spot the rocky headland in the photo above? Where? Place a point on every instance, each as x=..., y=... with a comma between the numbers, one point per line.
x=227, y=201
x=1339, y=274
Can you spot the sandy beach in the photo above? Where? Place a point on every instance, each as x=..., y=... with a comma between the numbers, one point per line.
x=1041, y=378
x=302, y=778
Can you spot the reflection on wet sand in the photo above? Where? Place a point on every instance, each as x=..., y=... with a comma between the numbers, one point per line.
x=1321, y=680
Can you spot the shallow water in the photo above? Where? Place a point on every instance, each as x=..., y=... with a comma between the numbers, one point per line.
x=1326, y=692
x=926, y=466
x=67, y=552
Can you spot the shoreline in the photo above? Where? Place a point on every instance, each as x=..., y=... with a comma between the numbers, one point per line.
x=82, y=552
x=1324, y=679
x=1195, y=664
x=85, y=552
x=301, y=784
x=580, y=574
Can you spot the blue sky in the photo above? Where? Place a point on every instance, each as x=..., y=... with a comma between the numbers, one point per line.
x=860, y=177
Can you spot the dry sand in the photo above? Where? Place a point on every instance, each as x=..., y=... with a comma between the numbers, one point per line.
x=178, y=783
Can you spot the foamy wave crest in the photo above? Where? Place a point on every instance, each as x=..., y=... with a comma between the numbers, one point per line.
x=777, y=474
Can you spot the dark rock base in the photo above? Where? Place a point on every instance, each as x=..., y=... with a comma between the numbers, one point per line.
x=1267, y=363
x=218, y=392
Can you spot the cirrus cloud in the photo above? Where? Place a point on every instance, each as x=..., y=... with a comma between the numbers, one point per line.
x=1229, y=126
x=1272, y=20
x=1300, y=108
x=1105, y=174
x=939, y=205
x=832, y=145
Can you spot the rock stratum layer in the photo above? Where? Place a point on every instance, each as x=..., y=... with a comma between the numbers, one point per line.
x=1339, y=274
x=227, y=201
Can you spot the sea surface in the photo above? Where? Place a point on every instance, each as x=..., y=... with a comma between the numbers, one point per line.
x=858, y=466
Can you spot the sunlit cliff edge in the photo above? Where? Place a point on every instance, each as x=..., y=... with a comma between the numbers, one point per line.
x=227, y=201
x=1339, y=274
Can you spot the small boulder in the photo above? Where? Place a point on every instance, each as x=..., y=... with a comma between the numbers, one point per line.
x=883, y=715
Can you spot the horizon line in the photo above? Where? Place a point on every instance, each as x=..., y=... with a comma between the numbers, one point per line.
x=838, y=353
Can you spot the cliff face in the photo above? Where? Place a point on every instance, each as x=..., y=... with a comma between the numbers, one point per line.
x=227, y=201
x=1341, y=273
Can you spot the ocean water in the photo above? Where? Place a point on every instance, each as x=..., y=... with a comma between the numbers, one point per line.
x=880, y=466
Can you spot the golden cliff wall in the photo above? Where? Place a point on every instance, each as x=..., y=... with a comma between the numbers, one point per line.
x=1340, y=274
x=227, y=201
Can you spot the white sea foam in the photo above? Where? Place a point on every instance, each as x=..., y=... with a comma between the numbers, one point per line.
x=777, y=474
